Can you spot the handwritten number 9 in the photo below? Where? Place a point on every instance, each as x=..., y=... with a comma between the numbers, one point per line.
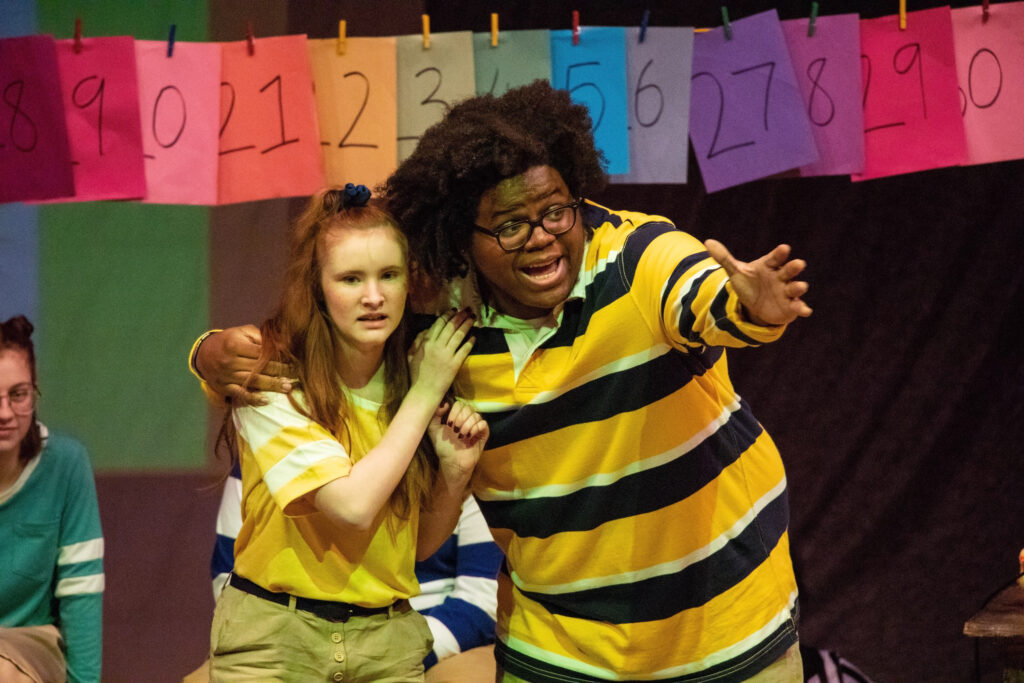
x=586, y=84
x=636, y=97
x=77, y=97
x=27, y=123
x=915, y=58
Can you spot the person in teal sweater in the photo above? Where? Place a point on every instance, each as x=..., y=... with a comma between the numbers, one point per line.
x=51, y=544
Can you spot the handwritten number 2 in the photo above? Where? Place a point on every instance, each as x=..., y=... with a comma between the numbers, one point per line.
x=712, y=151
x=366, y=97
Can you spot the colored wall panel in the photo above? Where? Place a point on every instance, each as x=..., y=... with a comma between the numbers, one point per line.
x=124, y=292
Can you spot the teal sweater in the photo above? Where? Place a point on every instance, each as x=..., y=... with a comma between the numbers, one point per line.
x=51, y=553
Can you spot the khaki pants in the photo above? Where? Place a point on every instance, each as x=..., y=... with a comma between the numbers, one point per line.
x=31, y=653
x=255, y=639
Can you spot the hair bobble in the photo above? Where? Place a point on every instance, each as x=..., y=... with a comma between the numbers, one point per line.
x=355, y=195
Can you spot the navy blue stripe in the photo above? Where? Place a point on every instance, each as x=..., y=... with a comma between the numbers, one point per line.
x=663, y=596
x=735, y=670
x=637, y=243
x=223, y=559
x=632, y=495
x=595, y=216
x=601, y=398
x=687, y=320
x=718, y=310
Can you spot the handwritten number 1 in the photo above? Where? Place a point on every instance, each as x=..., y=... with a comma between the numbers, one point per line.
x=280, y=115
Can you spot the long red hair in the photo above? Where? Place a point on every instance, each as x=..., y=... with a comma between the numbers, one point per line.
x=302, y=335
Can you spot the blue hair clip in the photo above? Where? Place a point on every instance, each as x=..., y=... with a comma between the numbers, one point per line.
x=355, y=195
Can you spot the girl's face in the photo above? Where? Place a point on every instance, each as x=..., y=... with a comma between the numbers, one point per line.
x=364, y=277
x=15, y=377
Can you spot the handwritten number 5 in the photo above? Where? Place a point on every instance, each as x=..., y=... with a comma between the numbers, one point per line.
x=587, y=84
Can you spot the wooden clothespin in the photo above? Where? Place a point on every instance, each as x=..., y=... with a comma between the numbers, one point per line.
x=78, y=35
x=494, y=29
x=342, y=41
x=903, y=15
x=251, y=39
x=426, y=31
x=814, y=18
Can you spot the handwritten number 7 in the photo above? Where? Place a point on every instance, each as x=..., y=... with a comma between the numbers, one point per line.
x=767, y=86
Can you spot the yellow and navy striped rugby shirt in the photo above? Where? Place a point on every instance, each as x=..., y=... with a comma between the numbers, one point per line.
x=287, y=545
x=641, y=506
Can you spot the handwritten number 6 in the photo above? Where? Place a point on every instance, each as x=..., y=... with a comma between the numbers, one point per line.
x=640, y=89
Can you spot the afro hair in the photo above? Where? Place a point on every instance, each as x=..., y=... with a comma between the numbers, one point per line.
x=435, y=193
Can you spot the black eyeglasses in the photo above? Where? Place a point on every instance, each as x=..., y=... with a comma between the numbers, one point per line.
x=21, y=398
x=514, y=236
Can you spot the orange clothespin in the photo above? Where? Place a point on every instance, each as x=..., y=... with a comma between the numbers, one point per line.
x=575, y=27
x=251, y=40
x=426, y=31
x=494, y=29
x=903, y=15
x=78, y=35
x=342, y=43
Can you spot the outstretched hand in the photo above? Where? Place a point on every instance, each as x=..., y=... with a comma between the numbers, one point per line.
x=766, y=287
x=226, y=360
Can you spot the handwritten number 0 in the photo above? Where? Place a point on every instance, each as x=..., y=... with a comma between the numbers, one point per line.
x=184, y=116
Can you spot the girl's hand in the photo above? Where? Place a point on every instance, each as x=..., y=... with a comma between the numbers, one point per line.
x=459, y=438
x=438, y=352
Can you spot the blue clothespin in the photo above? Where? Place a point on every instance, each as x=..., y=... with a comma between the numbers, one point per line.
x=643, y=24
x=726, y=26
x=170, y=40
x=814, y=17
